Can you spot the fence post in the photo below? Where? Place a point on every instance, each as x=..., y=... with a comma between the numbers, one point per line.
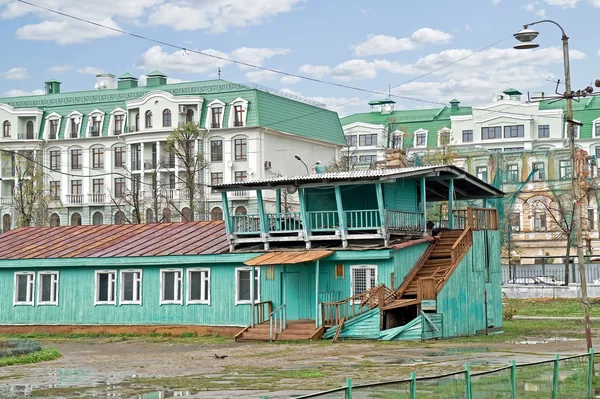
x=468, y=381
x=413, y=385
x=348, y=388
x=590, y=372
x=513, y=379
x=555, y=378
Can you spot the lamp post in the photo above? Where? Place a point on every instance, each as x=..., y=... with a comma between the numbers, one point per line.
x=304, y=163
x=526, y=37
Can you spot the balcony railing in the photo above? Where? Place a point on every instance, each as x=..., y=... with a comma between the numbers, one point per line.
x=75, y=199
x=363, y=220
x=323, y=221
x=240, y=194
x=25, y=136
x=136, y=165
x=133, y=129
x=404, y=221
x=6, y=201
x=150, y=164
x=96, y=198
x=245, y=224
x=284, y=222
x=167, y=162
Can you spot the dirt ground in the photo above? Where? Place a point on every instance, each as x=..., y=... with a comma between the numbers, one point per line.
x=148, y=368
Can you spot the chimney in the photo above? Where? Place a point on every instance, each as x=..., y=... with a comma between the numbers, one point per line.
x=538, y=95
x=52, y=86
x=127, y=81
x=454, y=105
x=156, y=78
x=105, y=81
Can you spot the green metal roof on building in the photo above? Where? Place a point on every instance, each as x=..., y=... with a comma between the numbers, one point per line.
x=512, y=92
x=127, y=75
x=585, y=111
x=454, y=101
x=52, y=81
x=156, y=73
x=264, y=109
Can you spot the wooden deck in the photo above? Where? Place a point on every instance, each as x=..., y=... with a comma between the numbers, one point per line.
x=296, y=330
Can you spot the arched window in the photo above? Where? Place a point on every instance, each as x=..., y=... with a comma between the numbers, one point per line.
x=30, y=130
x=120, y=217
x=216, y=213
x=167, y=118
x=166, y=215
x=6, y=129
x=75, y=219
x=186, y=215
x=54, y=220
x=97, y=218
x=137, y=122
x=240, y=210
x=189, y=116
x=148, y=119
x=6, y=223
x=242, y=223
x=149, y=216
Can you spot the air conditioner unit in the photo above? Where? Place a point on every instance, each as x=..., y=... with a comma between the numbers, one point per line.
x=267, y=164
x=182, y=109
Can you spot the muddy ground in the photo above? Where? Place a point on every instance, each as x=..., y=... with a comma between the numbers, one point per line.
x=147, y=368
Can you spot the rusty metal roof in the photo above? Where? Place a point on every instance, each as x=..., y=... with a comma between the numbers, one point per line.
x=287, y=258
x=109, y=241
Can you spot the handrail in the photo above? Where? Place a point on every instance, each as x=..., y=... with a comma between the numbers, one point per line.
x=483, y=218
x=333, y=312
x=458, y=250
x=273, y=321
x=259, y=311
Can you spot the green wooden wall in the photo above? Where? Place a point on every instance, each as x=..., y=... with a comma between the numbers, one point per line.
x=461, y=301
x=401, y=195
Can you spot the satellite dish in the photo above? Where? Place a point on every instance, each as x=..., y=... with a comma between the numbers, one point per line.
x=77, y=119
x=291, y=189
x=229, y=164
x=97, y=86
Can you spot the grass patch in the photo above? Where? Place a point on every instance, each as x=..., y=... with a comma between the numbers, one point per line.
x=59, y=392
x=554, y=307
x=35, y=357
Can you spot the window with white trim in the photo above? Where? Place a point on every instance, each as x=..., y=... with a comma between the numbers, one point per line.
x=24, y=288
x=106, y=286
x=48, y=288
x=131, y=287
x=363, y=278
x=171, y=286
x=198, y=286
x=243, y=289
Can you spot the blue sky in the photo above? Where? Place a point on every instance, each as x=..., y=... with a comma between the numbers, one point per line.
x=358, y=43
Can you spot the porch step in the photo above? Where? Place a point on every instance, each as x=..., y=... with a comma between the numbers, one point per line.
x=295, y=330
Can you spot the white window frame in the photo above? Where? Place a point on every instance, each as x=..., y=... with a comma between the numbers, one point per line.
x=53, y=291
x=112, y=287
x=577, y=128
x=443, y=130
x=162, y=286
x=356, y=267
x=419, y=131
x=206, y=276
x=237, y=284
x=244, y=104
x=111, y=125
x=30, y=289
x=51, y=117
x=95, y=114
x=139, y=280
x=73, y=115
x=214, y=104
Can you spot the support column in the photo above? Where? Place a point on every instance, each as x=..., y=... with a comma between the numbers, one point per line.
x=382, y=213
x=252, y=282
x=423, y=206
x=278, y=202
x=304, y=217
x=264, y=231
x=225, y=204
x=317, y=271
x=450, y=204
x=341, y=216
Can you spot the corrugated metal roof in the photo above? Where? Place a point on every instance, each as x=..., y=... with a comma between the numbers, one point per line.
x=287, y=258
x=109, y=241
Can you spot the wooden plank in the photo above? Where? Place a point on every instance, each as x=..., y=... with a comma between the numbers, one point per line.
x=339, y=329
x=426, y=288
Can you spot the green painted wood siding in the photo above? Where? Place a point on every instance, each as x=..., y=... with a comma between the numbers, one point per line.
x=461, y=301
x=401, y=195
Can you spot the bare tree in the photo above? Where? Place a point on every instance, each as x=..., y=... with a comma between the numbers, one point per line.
x=182, y=144
x=346, y=161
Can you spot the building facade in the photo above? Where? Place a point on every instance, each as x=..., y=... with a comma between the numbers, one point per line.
x=96, y=148
x=519, y=147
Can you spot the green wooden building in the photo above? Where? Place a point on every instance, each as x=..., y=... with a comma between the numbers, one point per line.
x=354, y=261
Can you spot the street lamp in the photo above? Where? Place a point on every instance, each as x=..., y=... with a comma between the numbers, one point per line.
x=526, y=37
x=303, y=163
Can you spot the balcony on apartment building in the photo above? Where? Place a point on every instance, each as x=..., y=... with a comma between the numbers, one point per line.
x=74, y=199
x=375, y=205
x=6, y=201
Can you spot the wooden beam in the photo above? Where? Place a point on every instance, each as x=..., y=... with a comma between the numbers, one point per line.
x=382, y=213
x=446, y=177
x=423, y=204
x=226, y=215
x=450, y=204
x=317, y=293
x=278, y=202
x=304, y=216
x=341, y=216
x=264, y=226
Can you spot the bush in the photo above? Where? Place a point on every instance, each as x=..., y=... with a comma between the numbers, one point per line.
x=509, y=310
x=18, y=347
x=189, y=334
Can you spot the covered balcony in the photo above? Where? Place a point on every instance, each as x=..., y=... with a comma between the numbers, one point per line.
x=370, y=207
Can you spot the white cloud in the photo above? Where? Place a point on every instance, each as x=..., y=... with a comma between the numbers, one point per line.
x=143, y=80
x=260, y=75
x=290, y=80
x=428, y=35
x=354, y=69
x=58, y=69
x=184, y=15
x=66, y=32
x=315, y=71
x=383, y=44
x=562, y=3
x=529, y=7
x=19, y=93
x=88, y=70
x=595, y=3
x=336, y=104
x=15, y=74
x=256, y=56
x=541, y=13
x=496, y=2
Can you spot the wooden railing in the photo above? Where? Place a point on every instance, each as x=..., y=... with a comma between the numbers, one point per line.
x=277, y=321
x=262, y=311
x=245, y=224
x=333, y=312
x=284, y=221
x=461, y=246
x=483, y=218
x=404, y=221
x=323, y=221
x=461, y=220
x=363, y=219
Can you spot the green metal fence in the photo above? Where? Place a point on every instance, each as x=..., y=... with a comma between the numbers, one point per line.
x=568, y=377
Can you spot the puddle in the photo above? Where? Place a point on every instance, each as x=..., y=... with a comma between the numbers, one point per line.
x=405, y=361
x=456, y=351
x=545, y=341
x=483, y=362
x=165, y=394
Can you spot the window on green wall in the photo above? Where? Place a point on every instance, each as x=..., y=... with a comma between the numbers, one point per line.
x=363, y=278
x=48, y=288
x=24, y=288
x=198, y=286
x=131, y=287
x=243, y=288
x=106, y=283
x=170, y=286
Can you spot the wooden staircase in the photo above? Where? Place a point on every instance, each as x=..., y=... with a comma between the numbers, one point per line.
x=431, y=272
x=295, y=330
